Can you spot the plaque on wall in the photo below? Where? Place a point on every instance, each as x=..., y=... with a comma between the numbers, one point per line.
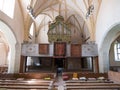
x=29, y=49
x=59, y=49
x=43, y=48
x=89, y=50
x=75, y=50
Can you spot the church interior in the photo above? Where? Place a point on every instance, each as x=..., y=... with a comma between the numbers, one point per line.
x=59, y=45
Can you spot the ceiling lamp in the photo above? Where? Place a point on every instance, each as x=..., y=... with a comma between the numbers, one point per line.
x=90, y=11
x=30, y=12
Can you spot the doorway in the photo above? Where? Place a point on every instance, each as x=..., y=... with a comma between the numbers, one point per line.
x=59, y=62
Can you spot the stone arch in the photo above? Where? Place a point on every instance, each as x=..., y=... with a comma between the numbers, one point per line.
x=110, y=36
x=10, y=37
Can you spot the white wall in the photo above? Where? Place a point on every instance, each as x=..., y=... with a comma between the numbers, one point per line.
x=13, y=29
x=3, y=54
x=16, y=24
x=108, y=17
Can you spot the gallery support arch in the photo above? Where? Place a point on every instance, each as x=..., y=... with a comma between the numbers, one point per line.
x=10, y=37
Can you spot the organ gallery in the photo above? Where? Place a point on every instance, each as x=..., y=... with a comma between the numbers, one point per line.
x=61, y=51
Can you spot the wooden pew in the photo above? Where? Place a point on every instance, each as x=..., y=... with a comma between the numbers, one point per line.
x=89, y=81
x=26, y=81
x=26, y=84
x=95, y=84
x=91, y=85
x=86, y=74
x=26, y=75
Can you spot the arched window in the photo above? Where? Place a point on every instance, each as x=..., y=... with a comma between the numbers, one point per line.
x=32, y=29
x=7, y=7
x=43, y=28
x=117, y=51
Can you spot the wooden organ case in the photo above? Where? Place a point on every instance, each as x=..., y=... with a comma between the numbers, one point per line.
x=59, y=31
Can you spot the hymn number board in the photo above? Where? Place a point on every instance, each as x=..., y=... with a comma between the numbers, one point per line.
x=29, y=49
x=89, y=50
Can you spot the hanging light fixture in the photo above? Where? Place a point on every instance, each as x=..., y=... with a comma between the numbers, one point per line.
x=90, y=8
x=30, y=11
x=90, y=11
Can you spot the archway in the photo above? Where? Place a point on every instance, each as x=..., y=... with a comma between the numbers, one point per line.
x=6, y=30
x=4, y=49
x=105, y=47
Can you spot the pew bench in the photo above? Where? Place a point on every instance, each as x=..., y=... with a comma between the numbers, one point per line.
x=27, y=84
x=92, y=81
x=92, y=87
x=26, y=81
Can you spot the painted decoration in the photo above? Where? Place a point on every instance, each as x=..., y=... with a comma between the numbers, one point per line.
x=89, y=50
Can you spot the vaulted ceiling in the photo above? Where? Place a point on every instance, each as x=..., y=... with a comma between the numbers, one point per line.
x=73, y=11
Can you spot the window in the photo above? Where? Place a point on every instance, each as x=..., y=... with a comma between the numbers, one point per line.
x=7, y=7
x=117, y=51
x=32, y=29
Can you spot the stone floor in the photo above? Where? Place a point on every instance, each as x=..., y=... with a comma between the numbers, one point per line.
x=59, y=83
